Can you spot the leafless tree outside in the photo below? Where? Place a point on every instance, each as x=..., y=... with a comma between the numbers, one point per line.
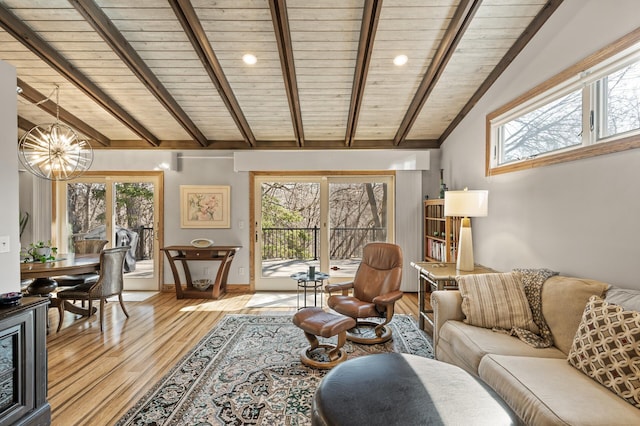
x=291, y=218
x=558, y=124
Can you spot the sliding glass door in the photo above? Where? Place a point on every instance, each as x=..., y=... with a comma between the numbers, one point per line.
x=322, y=221
x=121, y=208
x=358, y=214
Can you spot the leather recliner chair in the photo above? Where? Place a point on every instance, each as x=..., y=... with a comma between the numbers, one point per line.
x=375, y=289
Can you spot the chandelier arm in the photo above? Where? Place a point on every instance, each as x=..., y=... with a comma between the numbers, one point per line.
x=48, y=98
x=57, y=89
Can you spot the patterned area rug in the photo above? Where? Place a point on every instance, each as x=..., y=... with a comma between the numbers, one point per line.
x=247, y=371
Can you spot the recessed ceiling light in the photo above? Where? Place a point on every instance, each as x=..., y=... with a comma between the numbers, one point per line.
x=249, y=59
x=400, y=60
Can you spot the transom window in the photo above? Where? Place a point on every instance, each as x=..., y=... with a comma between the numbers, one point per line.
x=590, y=109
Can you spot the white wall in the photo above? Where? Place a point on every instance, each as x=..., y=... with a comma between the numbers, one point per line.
x=341, y=159
x=9, y=213
x=194, y=168
x=408, y=224
x=217, y=168
x=579, y=218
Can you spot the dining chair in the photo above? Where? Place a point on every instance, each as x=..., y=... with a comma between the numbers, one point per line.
x=110, y=283
x=82, y=247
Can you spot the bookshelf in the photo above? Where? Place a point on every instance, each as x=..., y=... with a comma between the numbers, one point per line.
x=440, y=233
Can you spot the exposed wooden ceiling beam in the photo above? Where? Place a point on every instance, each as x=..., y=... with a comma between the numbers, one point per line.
x=457, y=27
x=25, y=35
x=35, y=97
x=370, y=19
x=419, y=144
x=25, y=124
x=193, y=29
x=114, y=38
x=533, y=27
x=189, y=144
x=337, y=144
x=283, y=38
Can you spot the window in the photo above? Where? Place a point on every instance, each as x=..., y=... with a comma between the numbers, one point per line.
x=121, y=207
x=552, y=127
x=619, y=102
x=317, y=220
x=590, y=109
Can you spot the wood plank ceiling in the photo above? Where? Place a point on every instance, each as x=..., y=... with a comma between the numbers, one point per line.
x=170, y=73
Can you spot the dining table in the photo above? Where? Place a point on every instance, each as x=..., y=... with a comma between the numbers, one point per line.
x=43, y=274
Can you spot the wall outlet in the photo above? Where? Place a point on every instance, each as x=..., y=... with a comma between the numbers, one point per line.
x=4, y=244
x=240, y=271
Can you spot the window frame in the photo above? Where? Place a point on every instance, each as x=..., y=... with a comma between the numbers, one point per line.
x=583, y=74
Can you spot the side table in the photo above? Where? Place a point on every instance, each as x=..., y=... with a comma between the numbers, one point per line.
x=185, y=254
x=439, y=276
x=306, y=282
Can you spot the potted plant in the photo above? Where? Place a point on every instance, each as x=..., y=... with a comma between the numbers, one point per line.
x=42, y=252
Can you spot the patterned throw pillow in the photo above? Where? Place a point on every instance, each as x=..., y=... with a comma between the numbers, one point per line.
x=495, y=301
x=607, y=348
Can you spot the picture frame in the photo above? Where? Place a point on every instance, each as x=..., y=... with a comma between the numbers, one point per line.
x=205, y=206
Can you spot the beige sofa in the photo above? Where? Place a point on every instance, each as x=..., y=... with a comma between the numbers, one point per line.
x=538, y=384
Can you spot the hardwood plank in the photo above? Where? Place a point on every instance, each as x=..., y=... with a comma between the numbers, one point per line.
x=27, y=36
x=196, y=33
x=455, y=31
x=55, y=110
x=95, y=378
x=282, y=29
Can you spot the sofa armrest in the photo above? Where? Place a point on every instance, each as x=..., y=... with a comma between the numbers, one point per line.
x=447, y=305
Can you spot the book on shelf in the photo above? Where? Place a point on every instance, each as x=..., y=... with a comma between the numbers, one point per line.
x=437, y=250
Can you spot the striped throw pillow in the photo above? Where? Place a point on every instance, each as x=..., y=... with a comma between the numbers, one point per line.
x=496, y=301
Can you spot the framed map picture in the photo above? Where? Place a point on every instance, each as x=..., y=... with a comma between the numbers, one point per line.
x=205, y=206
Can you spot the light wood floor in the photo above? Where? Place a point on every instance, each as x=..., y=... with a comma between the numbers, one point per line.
x=95, y=378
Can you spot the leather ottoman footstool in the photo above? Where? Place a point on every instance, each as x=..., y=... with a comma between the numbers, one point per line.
x=401, y=389
x=316, y=322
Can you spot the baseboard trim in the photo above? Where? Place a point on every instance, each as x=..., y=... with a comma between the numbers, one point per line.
x=231, y=288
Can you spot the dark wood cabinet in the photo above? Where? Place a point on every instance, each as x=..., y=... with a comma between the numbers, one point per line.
x=23, y=363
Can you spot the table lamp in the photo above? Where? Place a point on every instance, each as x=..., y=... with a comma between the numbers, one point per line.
x=466, y=204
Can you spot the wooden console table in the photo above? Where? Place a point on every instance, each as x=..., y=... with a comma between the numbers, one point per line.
x=184, y=254
x=439, y=276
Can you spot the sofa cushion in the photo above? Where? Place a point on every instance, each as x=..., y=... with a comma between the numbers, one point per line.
x=465, y=345
x=607, y=348
x=627, y=298
x=563, y=301
x=547, y=391
x=496, y=301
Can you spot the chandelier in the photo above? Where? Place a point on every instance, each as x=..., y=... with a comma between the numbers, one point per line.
x=54, y=151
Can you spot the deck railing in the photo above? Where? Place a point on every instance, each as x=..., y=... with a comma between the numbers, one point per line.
x=304, y=243
x=144, y=250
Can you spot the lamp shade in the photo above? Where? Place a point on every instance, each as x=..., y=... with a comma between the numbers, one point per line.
x=466, y=203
